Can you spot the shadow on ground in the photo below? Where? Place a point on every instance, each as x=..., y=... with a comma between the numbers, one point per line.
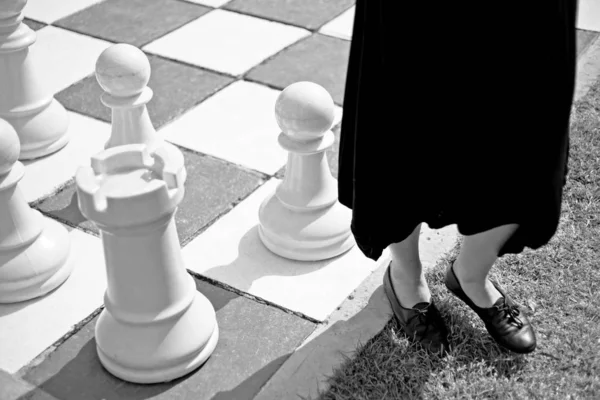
x=254, y=342
x=393, y=367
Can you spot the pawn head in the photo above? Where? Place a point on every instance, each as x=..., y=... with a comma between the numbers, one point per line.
x=123, y=70
x=304, y=111
x=10, y=147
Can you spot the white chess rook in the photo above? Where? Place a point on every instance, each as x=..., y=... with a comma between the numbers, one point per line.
x=34, y=250
x=25, y=100
x=155, y=326
x=303, y=219
x=123, y=71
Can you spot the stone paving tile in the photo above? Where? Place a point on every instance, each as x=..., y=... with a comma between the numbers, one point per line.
x=342, y=26
x=212, y=187
x=46, y=175
x=177, y=88
x=333, y=153
x=64, y=57
x=320, y=59
x=246, y=137
x=15, y=389
x=226, y=41
x=255, y=340
x=310, y=14
x=584, y=39
x=136, y=22
x=588, y=15
x=210, y=3
x=29, y=328
x=49, y=11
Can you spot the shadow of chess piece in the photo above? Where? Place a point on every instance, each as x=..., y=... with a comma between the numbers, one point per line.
x=40, y=121
x=155, y=326
x=303, y=219
x=34, y=250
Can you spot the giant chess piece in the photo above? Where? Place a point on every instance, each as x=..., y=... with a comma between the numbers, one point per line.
x=34, y=250
x=155, y=326
x=123, y=71
x=303, y=219
x=40, y=121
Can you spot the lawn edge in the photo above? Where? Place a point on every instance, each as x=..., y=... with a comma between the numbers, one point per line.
x=305, y=374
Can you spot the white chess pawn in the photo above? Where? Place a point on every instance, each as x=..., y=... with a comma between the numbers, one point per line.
x=40, y=121
x=123, y=71
x=303, y=219
x=155, y=326
x=34, y=250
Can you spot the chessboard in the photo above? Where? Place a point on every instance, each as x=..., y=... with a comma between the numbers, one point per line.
x=217, y=68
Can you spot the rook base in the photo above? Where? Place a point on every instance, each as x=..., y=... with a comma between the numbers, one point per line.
x=161, y=349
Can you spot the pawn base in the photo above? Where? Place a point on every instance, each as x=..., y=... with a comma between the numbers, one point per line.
x=34, y=270
x=42, y=132
x=160, y=350
x=310, y=235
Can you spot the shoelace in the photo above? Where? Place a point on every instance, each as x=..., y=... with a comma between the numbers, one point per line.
x=512, y=312
x=421, y=318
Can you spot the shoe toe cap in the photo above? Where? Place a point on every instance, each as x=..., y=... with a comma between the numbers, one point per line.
x=523, y=341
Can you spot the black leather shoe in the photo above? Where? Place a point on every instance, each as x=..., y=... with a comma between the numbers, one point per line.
x=504, y=321
x=422, y=324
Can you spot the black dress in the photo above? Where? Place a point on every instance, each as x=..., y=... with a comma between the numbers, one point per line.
x=457, y=113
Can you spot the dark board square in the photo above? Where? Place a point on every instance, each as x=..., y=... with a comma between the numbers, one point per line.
x=176, y=87
x=137, y=22
x=584, y=40
x=254, y=341
x=320, y=59
x=310, y=14
x=15, y=389
x=334, y=152
x=212, y=187
x=35, y=25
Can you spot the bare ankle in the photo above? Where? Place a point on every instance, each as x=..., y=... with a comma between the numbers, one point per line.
x=407, y=270
x=410, y=293
x=484, y=294
x=468, y=276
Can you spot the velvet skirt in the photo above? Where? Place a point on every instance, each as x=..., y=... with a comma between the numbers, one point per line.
x=457, y=113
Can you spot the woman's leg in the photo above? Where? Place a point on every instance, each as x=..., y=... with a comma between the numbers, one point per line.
x=477, y=255
x=407, y=275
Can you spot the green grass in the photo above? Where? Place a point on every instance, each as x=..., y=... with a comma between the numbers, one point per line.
x=558, y=287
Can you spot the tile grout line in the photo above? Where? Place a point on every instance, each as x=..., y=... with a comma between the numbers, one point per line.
x=271, y=19
x=323, y=330
x=40, y=358
x=57, y=190
x=235, y=78
x=243, y=76
x=224, y=7
x=247, y=295
x=229, y=208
